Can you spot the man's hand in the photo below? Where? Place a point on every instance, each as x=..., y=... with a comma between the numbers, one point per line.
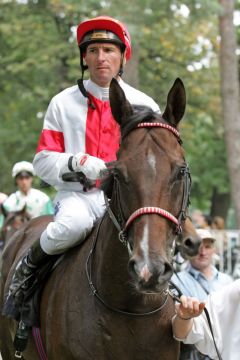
x=189, y=308
x=90, y=166
x=182, y=321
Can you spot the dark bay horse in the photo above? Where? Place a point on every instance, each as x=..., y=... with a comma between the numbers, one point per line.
x=13, y=221
x=108, y=298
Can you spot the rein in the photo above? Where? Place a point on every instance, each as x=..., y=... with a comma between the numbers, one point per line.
x=88, y=270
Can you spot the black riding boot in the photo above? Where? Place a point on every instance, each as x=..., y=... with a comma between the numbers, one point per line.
x=23, y=278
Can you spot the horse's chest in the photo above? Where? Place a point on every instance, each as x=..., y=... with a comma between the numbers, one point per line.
x=138, y=339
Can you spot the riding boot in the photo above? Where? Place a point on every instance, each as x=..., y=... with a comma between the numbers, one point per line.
x=23, y=278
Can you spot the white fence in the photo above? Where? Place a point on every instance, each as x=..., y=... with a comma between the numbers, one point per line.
x=228, y=251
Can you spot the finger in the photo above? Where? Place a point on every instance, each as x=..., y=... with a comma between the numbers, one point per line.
x=202, y=306
x=184, y=301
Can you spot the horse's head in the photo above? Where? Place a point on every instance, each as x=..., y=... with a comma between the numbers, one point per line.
x=188, y=240
x=12, y=222
x=151, y=185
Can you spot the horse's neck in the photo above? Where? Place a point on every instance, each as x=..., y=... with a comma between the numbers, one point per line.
x=110, y=260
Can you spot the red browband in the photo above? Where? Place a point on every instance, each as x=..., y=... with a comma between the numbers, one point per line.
x=161, y=125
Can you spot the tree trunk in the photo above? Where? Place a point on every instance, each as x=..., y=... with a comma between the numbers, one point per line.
x=230, y=99
x=220, y=204
x=131, y=75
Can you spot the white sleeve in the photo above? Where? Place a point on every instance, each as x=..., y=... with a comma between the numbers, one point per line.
x=224, y=309
x=201, y=337
x=51, y=161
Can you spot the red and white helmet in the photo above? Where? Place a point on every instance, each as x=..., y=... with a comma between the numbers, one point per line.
x=104, y=29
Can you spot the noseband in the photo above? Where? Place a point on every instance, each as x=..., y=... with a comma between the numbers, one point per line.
x=177, y=222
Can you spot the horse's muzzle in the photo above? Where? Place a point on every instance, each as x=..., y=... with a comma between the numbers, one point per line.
x=151, y=278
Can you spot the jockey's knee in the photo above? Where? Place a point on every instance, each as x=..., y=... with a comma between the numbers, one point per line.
x=61, y=235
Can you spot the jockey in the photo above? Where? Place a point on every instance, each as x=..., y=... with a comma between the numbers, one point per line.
x=80, y=135
x=37, y=203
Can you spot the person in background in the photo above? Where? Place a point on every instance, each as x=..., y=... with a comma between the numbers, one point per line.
x=199, y=279
x=80, y=135
x=218, y=223
x=201, y=220
x=36, y=202
x=190, y=324
x=3, y=197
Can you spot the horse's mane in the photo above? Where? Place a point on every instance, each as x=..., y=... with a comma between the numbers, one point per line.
x=140, y=114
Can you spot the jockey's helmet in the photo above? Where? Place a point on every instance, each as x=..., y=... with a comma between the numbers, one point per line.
x=104, y=29
x=23, y=168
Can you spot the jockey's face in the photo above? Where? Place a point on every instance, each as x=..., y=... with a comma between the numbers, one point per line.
x=24, y=183
x=103, y=61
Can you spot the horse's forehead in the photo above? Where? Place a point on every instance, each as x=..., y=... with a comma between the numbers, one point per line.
x=151, y=153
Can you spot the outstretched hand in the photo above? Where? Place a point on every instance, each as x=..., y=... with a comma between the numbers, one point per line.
x=189, y=307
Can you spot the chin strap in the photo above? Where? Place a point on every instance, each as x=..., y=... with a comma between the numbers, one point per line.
x=85, y=93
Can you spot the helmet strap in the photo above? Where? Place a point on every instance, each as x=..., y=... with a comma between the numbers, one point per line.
x=80, y=82
x=121, y=65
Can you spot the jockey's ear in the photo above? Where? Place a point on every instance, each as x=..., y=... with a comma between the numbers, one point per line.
x=120, y=106
x=176, y=103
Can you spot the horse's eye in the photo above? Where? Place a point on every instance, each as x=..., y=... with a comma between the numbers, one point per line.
x=118, y=174
x=180, y=173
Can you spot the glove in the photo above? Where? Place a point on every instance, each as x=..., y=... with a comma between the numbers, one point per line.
x=90, y=166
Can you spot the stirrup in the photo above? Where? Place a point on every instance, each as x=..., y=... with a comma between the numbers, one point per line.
x=21, y=339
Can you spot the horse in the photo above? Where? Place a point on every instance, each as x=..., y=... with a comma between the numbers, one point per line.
x=13, y=221
x=109, y=298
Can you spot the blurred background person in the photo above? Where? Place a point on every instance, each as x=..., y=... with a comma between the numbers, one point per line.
x=36, y=202
x=3, y=197
x=201, y=220
x=198, y=280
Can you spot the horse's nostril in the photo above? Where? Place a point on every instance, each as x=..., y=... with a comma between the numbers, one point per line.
x=188, y=242
x=191, y=245
x=132, y=267
x=167, y=270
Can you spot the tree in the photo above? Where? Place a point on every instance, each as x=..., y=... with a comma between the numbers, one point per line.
x=230, y=99
x=171, y=38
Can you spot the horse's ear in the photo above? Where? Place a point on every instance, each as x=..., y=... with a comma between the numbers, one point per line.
x=176, y=103
x=4, y=211
x=121, y=108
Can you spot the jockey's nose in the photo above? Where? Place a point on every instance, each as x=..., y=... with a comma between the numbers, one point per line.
x=101, y=55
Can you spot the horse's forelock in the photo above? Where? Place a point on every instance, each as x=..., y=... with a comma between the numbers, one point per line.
x=140, y=114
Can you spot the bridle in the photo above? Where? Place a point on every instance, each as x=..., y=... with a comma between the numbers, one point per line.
x=122, y=226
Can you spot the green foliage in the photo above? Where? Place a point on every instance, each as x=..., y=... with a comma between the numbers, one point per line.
x=39, y=57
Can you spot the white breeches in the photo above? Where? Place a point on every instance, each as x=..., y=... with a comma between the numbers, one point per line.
x=75, y=216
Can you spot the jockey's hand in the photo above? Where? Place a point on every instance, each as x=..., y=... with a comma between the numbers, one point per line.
x=90, y=166
x=189, y=307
